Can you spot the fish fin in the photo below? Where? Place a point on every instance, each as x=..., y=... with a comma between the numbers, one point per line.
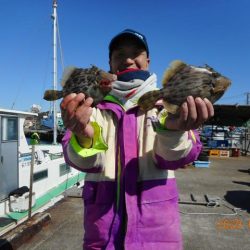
x=175, y=66
x=52, y=95
x=171, y=108
x=218, y=89
x=148, y=100
x=221, y=85
x=66, y=74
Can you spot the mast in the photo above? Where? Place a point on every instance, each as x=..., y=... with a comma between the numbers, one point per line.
x=54, y=18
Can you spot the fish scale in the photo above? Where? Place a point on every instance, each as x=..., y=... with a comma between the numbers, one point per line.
x=182, y=80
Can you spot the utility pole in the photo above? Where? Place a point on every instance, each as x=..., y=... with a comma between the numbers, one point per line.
x=248, y=98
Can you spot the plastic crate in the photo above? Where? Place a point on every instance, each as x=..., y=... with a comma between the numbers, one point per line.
x=214, y=152
x=202, y=164
x=21, y=203
x=235, y=152
x=224, y=153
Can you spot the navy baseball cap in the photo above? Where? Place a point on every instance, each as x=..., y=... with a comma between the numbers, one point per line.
x=129, y=32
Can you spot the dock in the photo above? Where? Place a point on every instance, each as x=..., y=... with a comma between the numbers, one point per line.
x=214, y=204
x=44, y=134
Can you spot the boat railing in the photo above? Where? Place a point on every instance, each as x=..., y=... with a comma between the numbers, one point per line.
x=55, y=156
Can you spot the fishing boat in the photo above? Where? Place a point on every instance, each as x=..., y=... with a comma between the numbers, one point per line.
x=48, y=121
x=50, y=169
x=44, y=126
x=31, y=176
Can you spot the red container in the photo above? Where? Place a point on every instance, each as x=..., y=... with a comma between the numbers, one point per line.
x=235, y=152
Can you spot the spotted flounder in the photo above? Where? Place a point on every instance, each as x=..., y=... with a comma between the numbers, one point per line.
x=182, y=80
x=91, y=81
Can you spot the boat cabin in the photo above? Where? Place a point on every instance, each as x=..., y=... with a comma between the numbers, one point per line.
x=12, y=144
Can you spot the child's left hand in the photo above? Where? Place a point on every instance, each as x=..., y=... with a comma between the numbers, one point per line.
x=193, y=113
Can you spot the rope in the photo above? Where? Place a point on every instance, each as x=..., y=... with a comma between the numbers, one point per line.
x=60, y=44
x=215, y=203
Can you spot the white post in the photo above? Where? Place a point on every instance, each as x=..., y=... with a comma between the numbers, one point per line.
x=31, y=180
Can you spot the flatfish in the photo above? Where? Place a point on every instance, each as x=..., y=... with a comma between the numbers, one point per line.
x=93, y=82
x=182, y=80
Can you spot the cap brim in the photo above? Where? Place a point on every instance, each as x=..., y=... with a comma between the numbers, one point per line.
x=127, y=34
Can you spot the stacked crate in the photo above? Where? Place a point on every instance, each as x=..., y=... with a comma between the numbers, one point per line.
x=224, y=153
x=214, y=152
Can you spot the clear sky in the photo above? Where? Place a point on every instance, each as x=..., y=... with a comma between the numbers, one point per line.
x=215, y=32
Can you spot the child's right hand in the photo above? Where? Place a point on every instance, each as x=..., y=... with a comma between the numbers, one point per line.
x=76, y=112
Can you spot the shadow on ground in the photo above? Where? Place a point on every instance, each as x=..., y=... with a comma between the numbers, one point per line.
x=239, y=199
x=5, y=245
x=242, y=183
x=247, y=171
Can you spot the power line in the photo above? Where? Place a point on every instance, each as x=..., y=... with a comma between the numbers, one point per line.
x=235, y=96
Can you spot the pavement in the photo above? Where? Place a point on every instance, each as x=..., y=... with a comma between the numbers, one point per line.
x=225, y=224
x=214, y=206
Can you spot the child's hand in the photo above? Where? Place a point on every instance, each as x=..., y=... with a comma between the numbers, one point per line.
x=76, y=112
x=193, y=113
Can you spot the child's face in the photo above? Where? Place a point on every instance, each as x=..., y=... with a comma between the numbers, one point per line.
x=129, y=53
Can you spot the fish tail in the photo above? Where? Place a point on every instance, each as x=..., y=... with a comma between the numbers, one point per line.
x=148, y=100
x=52, y=95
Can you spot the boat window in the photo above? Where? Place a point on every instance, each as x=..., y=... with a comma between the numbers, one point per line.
x=40, y=175
x=64, y=169
x=28, y=155
x=9, y=128
x=56, y=156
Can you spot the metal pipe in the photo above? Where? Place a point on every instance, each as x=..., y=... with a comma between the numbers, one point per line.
x=31, y=180
x=54, y=17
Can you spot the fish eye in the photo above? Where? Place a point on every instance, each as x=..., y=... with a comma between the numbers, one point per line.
x=215, y=74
